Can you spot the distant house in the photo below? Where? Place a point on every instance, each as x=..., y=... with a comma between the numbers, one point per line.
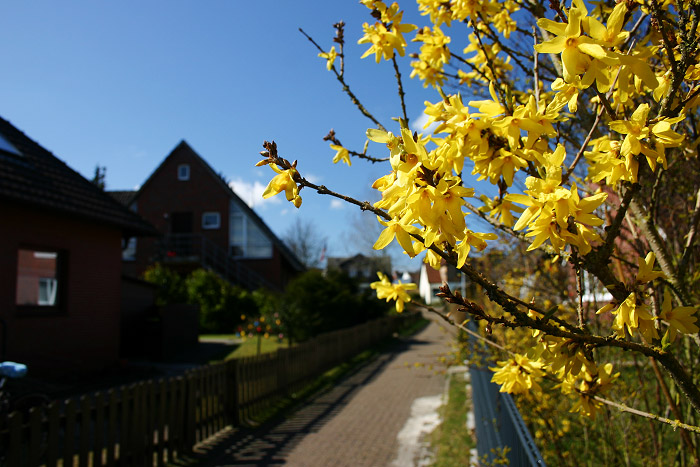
x=432, y=279
x=361, y=267
x=203, y=223
x=60, y=261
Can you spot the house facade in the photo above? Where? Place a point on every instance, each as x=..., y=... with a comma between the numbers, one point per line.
x=60, y=261
x=361, y=268
x=203, y=223
x=431, y=280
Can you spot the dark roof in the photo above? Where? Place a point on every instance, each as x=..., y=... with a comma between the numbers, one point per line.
x=377, y=262
x=125, y=197
x=183, y=146
x=434, y=274
x=38, y=178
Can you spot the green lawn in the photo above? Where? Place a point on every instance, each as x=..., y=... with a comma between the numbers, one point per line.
x=249, y=346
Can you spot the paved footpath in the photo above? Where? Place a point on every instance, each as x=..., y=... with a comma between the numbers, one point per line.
x=359, y=421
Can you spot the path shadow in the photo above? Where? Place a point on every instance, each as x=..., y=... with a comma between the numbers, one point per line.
x=271, y=443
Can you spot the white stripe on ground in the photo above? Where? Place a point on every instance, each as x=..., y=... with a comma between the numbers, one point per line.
x=413, y=448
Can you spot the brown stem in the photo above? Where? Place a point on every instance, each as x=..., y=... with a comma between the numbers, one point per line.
x=346, y=88
x=672, y=405
x=402, y=94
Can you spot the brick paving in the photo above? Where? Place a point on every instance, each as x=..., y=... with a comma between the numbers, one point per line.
x=354, y=423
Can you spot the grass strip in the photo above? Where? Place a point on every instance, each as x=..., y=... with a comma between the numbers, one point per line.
x=451, y=441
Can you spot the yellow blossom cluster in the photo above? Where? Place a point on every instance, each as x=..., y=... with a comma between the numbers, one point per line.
x=424, y=198
x=605, y=74
x=283, y=182
x=517, y=375
x=386, y=35
x=398, y=292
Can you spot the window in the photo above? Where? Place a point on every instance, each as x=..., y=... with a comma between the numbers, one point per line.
x=38, y=278
x=129, y=249
x=5, y=145
x=183, y=172
x=246, y=239
x=211, y=220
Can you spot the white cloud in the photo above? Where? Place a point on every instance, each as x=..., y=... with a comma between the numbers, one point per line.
x=337, y=204
x=313, y=178
x=418, y=123
x=251, y=192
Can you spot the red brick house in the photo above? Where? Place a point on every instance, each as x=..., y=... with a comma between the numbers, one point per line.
x=60, y=261
x=204, y=224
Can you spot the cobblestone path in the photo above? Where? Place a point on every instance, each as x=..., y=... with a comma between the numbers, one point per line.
x=355, y=423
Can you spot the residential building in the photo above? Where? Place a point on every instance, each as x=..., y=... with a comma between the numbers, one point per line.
x=432, y=279
x=204, y=224
x=60, y=261
x=362, y=268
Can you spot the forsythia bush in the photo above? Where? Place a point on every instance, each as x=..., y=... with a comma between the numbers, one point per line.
x=584, y=119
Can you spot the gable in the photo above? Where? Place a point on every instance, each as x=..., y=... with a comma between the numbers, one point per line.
x=203, y=187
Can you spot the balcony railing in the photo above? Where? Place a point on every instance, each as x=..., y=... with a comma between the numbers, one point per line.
x=195, y=248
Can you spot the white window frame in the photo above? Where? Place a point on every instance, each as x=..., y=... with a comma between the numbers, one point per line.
x=47, y=291
x=211, y=225
x=38, y=285
x=183, y=172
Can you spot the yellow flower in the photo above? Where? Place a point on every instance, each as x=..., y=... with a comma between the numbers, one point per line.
x=612, y=34
x=330, y=57
x=396, y=230
x=634, y=130
x=577, y=50
x=503, y=209
x=341, y=155
x=646, y=273
x=633, y=316
x=679, y=319
x=385, y=41
x=385, y=289
x=517, y=375
x=283, y=181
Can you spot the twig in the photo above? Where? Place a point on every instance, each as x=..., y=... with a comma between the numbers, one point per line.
x=346, y=88
x=685, y=258
x=571, y=168
x=331, y=137
x=402, y=94
x=535, y=68
x=624, y=408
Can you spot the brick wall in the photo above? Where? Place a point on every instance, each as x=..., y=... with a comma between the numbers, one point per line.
x=83, y=332
x=165, y=194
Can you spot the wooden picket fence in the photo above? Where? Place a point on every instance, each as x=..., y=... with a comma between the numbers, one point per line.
x=155, y=422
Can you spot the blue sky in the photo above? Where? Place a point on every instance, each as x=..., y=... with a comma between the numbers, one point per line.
x=119, y=84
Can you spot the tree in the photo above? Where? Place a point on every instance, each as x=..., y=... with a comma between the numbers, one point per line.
x=171, y=287
x=583, y=120
x=99, y=179
x=306, y=242
x=220, y=303
x=315, y=302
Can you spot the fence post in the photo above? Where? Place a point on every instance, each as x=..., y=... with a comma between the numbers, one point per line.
x=231, y=393
x=190, y=422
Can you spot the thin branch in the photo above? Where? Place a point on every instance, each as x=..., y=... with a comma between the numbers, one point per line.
x=656, y=243
x=624, y=408
x=346, y=88
x=535, y=68
x=687, y=251
x=362, y=155
x=402, y=94
x=571, y=168
x=464, y=328
x=619, y=406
